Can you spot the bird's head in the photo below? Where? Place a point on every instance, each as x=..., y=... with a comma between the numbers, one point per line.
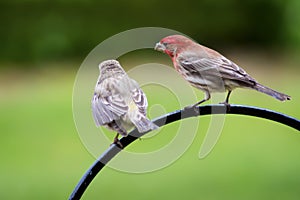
x=173, y=44
x=111, y=67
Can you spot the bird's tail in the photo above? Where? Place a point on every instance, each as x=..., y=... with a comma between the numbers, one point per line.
x=143, y=124
x=273, y=93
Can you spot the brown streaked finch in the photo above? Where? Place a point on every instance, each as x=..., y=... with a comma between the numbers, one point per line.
x=118, y=102
x=208, y=70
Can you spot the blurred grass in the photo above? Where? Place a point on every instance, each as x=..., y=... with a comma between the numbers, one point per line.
x=43, y=158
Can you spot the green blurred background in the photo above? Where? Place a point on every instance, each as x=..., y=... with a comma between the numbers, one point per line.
x=42, y=46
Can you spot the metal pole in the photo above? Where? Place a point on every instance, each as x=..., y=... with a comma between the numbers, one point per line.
x=113, y=150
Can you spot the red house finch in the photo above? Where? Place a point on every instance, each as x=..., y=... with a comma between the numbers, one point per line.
x=208, y=70
x=118, y=102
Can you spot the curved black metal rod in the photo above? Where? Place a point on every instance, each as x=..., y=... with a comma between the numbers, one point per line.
x=113, y=150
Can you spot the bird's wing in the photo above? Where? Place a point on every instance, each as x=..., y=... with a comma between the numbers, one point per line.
x=221, y=67
x=140, y=100
x=137, y=95
x=106, y=104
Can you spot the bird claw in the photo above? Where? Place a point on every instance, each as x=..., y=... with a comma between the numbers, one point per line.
x=226, y=104
x=194, y=108
x=117, y=143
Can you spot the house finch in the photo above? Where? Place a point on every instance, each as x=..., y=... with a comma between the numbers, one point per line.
x=118, y=102
x=208, y=70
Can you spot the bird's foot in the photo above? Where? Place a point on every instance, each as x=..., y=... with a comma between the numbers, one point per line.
x=194, y=108
x=117, y=143
x=226, y=104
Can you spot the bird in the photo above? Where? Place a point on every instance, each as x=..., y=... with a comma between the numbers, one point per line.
x=208, y=70
x=118, y=103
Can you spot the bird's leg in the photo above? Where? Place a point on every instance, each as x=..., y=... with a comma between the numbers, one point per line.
x=206, y=98
x=226, y=102
x=117, y=141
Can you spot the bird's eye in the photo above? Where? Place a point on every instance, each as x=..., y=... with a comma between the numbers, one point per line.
x=165, y=44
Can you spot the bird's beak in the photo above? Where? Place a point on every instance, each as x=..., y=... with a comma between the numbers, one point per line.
x=159, y=47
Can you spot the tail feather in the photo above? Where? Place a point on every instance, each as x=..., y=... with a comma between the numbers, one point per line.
x=143, y=124
x=273, y=93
